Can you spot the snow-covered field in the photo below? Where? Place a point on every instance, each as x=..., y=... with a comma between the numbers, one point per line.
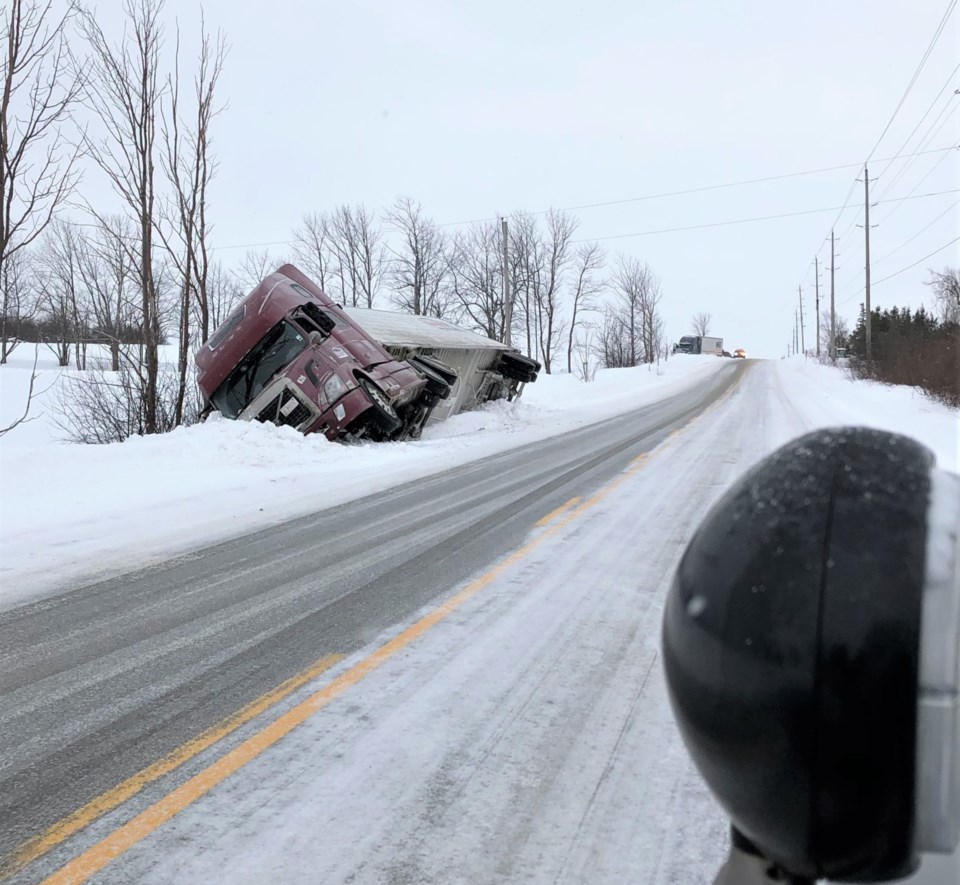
x=527, y=735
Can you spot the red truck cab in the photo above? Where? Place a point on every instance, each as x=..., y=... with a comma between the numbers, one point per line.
x=289, y=355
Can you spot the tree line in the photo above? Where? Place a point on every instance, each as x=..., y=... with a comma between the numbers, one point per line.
x=917, y=348
x=74, y=100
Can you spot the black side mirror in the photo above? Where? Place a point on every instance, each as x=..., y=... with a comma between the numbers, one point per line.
x=811, y=644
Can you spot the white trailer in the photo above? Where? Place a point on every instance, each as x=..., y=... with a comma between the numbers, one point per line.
x=486, y=370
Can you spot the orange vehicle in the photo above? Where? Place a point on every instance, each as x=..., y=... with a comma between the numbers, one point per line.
x=740, y=354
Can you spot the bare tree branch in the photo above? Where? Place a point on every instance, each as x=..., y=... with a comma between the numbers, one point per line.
x=418, y=269
x=700, y=324
x=24, y=418
x=37, y=94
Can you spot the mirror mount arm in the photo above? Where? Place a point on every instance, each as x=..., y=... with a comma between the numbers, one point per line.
x=746, y=866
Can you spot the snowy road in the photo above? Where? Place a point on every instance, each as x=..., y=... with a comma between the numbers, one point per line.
x=147, y=662
x=501, y=718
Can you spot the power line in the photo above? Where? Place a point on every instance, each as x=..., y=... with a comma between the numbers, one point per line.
x=678, y=193
x=628, y=200
x=916, y=74
x=917, y=234
x=899, y=175
x=669, y=230
x=904, y=269
x=930, y=172
x=693, y=190
x=920, y=121
x=932, y=131
x=915, y=263
x=913, y=79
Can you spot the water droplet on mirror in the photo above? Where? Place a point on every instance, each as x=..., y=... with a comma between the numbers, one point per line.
x=696, y=606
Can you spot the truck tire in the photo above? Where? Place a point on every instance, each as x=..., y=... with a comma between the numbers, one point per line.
x=518, y=367
x=381, y=418
x=437, y=386
x=447, y=373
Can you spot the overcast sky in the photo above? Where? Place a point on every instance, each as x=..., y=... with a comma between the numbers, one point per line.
x=476, y=109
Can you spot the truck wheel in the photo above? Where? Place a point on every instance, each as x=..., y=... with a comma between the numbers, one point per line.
x=448, y=373
x=381, y=418
x=437, y=385
x=518, y=367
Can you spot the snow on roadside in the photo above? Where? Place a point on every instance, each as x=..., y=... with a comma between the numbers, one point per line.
x=72, y=513
x=825, y=396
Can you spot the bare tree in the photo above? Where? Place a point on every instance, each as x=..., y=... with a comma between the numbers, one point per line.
x=633, y=329
x=61, y=285
x=222, y=292
x=587, y=286
x=476, y=278
x=189, y=165
x=584, y=348
x=652, y=329
x=526, y=259
x=314, y=249
x=19, y=300
x=843, y=333
x=124, y=91
x=370, y=254
x=946, y=293
x=616, y=347
x=700, y=324
x=359, y=249
x=253, y=268
x=38, y=91
x=108, y=269
x=557, y=254
x=418, y=269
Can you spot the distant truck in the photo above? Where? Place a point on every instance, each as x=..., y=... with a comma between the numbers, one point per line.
x=289, y=355
x=699, y=344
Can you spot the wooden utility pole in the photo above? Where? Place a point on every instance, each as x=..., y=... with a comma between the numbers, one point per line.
x=816, y=281
x=833, y=311
x=866, y=233
x=803, y=343
x=507, y=303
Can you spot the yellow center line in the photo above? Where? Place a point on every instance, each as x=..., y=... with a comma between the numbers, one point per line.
x=107, y=801
x=555, y=513
x=138, y=828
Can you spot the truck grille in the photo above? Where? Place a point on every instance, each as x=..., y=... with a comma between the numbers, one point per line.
x=285, y=410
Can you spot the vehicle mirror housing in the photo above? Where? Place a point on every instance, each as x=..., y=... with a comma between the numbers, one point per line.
x=810, y=645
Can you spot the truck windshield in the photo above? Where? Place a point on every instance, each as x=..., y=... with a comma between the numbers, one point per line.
x=277, y=349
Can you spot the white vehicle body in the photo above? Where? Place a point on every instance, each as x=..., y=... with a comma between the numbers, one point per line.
x=474, y=357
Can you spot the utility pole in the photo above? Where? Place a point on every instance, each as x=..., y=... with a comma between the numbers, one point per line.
x=507, y=303
x=796, y=332
x=816, y=280
x=866, y=233
x=803, y=343
x=833, y=310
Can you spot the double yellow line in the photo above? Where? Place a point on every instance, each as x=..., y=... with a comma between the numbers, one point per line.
x=138, y=828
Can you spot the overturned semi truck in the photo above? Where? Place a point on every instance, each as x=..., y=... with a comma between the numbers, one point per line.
x=289, y=355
